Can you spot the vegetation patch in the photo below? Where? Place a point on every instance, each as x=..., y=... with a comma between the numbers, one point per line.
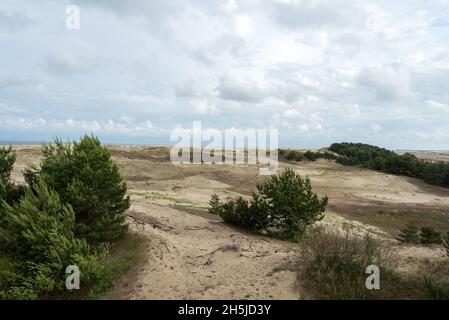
x=333, y=266
x=367, y=156
x=69, y=215
x=393, y=221
x=283, y=206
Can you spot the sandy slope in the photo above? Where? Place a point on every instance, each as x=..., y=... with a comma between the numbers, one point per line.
x=194, y=257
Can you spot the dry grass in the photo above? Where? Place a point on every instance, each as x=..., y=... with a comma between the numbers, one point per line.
x=333, y=265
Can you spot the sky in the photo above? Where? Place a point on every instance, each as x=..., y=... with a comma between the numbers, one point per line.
x=318, y=71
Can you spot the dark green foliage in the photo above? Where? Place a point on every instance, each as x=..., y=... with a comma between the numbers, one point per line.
x=295, y=156
x=2, y=190
x=292, y=204
x=7, y=159
x=43, y=231
x=85, y=176
x=215, y=205
x=240, y=212
x=409, y=234
x=235, y=212
x=308, y=155
x=37, y=243
x=8, y=191
x=428, y=235
x=285, y=205
x=357, y=154
x=31, y=176
x=14, y=192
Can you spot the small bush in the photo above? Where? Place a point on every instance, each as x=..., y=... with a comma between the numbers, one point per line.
x=215, y=205
x=428, y=236
x=295, y=156
x=409, y=234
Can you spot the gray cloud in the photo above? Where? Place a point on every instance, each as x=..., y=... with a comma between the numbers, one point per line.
x=10, y=80
x=67, y=63
x=239, y=89
x=14, y=21
x=386, y=82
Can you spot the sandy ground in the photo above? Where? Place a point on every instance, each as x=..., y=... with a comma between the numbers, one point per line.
x=193, y=255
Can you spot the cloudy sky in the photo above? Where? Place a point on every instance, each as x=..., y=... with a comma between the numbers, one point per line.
x=318, y=71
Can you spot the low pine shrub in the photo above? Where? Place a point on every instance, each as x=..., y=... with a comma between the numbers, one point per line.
x=283, y=206
x=85, y=176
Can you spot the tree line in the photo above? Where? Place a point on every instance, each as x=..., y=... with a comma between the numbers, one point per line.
x=380, y=159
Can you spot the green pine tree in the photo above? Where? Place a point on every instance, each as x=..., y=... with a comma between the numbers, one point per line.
x=85, y=176
x=215, y=205
x=291, y=203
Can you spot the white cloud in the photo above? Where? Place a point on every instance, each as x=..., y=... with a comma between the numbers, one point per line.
x=292, y=113
x=321, y=71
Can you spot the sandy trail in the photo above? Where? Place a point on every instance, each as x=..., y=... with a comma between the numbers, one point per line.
x=194, y=257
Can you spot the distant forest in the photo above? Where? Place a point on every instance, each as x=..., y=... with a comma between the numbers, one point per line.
x=380, y=159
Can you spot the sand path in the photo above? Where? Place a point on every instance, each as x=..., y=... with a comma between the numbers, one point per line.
x=198, y=257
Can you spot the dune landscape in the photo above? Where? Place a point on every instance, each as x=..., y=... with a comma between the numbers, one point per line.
x=191, y=254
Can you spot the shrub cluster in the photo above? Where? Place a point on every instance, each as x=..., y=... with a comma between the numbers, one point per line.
x=73, y=207
x=425, y=235
x=284, y=206
x=299, y=156
x=357, y=154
